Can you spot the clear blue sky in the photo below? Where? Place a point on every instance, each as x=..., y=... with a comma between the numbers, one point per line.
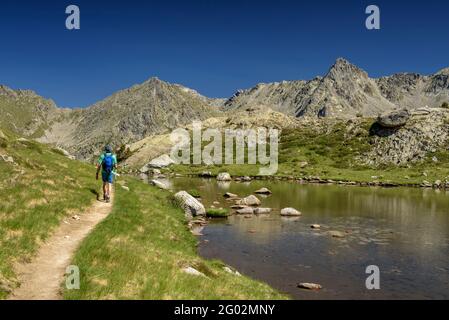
x=215, y=46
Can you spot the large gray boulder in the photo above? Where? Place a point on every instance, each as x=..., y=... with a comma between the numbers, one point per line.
x=394, y=119
x=191, y=206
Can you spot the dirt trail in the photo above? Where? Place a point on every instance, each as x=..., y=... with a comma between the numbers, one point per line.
x=41, y=279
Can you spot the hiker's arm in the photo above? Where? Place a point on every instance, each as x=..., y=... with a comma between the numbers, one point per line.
x=98, y=171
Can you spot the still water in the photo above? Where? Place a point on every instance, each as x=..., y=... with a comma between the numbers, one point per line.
x=403, y=231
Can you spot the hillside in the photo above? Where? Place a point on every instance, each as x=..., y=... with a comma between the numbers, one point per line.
x=39, y=188
x=129, y=115
x=26, y=113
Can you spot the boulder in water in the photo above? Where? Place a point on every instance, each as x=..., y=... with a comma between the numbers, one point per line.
x=250, y=200
x=263, y=191
x=290, y=212
x=224, y=176
x=191, y=206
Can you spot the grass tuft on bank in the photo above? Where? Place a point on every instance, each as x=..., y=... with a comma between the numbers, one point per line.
x=140, y=250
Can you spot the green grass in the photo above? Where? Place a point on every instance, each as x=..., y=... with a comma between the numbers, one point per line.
x=139, y=250
x=334, y=155
x=36, y=193
x=217, y=213
x=194, y=193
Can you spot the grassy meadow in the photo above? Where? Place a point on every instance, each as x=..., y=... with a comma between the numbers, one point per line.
x=37, y=191
x=333, y=155
x=139, y=252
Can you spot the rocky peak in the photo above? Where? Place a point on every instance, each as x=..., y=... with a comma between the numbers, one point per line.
x=343, y=68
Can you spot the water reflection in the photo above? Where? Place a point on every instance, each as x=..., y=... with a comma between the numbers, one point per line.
x=404, y=231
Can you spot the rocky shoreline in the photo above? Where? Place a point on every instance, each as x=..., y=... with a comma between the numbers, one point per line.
x=317, y=180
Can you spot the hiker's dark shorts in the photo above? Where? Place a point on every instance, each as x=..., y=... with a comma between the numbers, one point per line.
x=107, y=177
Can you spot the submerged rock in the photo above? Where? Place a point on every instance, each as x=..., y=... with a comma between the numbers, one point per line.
x=290, y=212
x=315, y=226
x=337, y=234
x=191, y=206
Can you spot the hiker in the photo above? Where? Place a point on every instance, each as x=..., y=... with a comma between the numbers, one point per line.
x=107, y=163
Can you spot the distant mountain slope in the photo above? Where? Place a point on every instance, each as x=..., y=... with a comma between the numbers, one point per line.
x=347, y=91
x=129, y=115
x=25, y=113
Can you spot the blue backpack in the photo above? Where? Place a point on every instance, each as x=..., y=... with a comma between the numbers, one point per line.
x=108, y=163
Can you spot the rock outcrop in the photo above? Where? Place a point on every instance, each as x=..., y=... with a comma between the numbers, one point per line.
x=394, y=119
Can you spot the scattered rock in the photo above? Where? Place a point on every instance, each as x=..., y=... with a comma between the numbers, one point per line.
x=309, y=286
x=156, y=172
x=229, y=270
x=238, y=206
x=159, y=184
x=303, y=164
x=191, y=206
x=125, y=188
x=6, y=158
x=246, y=178
x=263, y=191
x=315, y=226
x=193, y=271
x=290, y=212
x=206, y=174
x=394, y=119
x=216, y=202
x=161, y=162
x=224, y=176
x=337, y=234
x=262, y=210
x=230, y=195
x=250, y=200
x=247, y=210
x=435, y=159
x=76, y=217
x=438, y=183
x=426, y=184
x=144, y=169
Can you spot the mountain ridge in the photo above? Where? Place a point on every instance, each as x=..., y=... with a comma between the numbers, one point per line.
x=157, y=107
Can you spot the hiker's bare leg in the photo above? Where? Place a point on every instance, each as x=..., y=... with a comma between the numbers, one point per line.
x=108, y=189
x=104, y=190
